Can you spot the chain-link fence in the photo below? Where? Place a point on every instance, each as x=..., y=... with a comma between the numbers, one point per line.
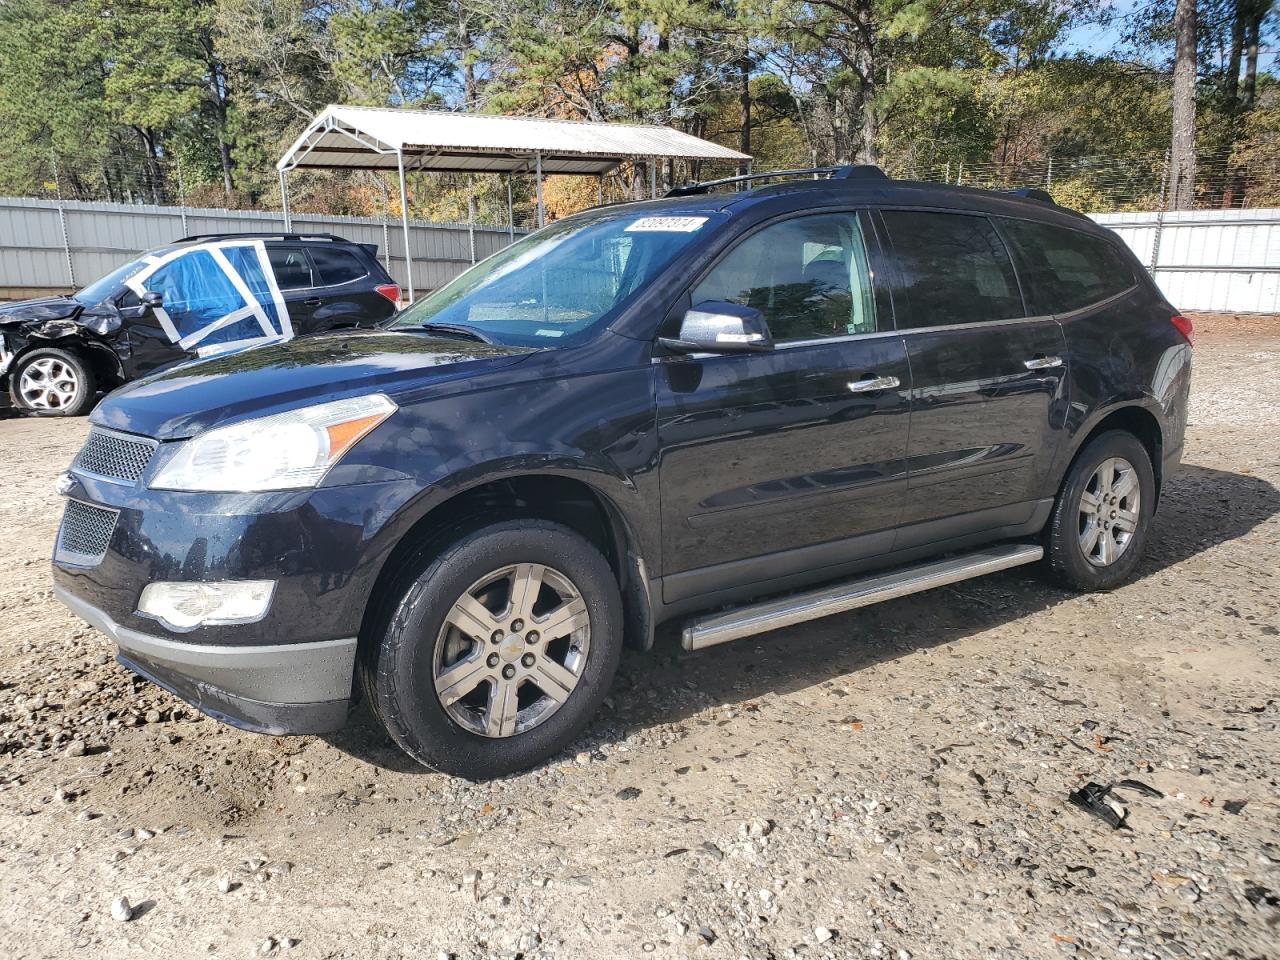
x=1243, y=178
x=1223, y=180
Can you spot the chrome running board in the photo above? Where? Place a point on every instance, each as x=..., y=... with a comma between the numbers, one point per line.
x=707, y=631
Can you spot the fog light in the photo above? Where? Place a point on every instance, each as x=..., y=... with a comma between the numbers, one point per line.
x=185, y=606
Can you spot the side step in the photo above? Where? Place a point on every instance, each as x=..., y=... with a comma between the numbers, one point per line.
x=716, y=628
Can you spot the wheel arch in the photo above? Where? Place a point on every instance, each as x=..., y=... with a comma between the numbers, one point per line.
x=560, y=497
x=1133, y=418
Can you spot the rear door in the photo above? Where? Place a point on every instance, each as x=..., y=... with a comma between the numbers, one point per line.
x=345, y=294
x=988, y=400
x=295, y=276
x=782, y=463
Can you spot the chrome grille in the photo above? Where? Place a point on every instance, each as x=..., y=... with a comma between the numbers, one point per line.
x=114, y=455
x=85, y=532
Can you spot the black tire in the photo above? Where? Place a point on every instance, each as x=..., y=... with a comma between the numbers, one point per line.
x=59, y=400
x=1065, y=556
x=399, y=657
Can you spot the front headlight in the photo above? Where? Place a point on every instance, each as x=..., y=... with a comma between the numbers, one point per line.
x=281, y=452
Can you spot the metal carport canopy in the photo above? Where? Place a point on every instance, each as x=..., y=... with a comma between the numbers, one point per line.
x=386, y=138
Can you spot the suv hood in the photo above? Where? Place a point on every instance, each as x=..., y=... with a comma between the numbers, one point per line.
x=45, y=308
x=187, y=399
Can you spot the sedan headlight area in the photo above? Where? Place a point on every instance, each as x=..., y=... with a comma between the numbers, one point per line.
x=185, y=606
x=282, y=452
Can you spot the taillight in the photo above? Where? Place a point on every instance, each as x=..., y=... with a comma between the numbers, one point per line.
x=391, y=291
x=1184, y=327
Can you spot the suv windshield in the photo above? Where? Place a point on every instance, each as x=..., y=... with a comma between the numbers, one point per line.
x=560, y=283
x=99, y=290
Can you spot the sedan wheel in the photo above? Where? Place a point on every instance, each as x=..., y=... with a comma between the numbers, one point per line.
x=512, y=649
x=49, y=383
x=1110, y=509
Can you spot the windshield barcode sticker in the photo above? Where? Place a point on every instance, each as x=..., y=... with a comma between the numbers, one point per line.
x=667, y=225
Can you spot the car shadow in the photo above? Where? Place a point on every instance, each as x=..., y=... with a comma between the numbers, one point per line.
x=1200, y=508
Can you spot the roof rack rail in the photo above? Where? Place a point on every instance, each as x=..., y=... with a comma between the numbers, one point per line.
x=845, y=172
x=1031, y=193
x=236, y=234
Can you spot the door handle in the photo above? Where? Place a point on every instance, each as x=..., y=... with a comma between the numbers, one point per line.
x=313, y=302
x=872, y=384
x=1042, y=363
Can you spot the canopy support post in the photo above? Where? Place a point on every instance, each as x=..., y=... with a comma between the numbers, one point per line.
x=471, y=216
x=599, y=189
x=542, y=213
x=404, y=223
x=511, y=214
x=284, y=202
x=653, y=178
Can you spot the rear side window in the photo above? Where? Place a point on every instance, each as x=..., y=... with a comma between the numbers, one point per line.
x=1064, y=270
x=808, y=276
x=291, y=267
x=954, y=269
x=336, y=266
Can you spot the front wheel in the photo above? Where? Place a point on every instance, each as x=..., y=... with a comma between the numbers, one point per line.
x=1098, y=529
x=499, y=649
x=50, y=382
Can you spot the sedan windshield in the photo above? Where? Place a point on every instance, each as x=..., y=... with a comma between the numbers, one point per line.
x=557, y=285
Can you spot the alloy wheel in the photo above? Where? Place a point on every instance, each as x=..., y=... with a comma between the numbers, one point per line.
x=512, y=650
x=48, y=384
x=1109, y=511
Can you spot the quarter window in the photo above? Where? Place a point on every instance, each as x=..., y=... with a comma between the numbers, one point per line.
x=336, y=266
x=954, y=269
x=808, y=276
x=1064, y=270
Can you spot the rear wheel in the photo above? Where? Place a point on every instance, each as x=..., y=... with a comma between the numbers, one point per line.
x=499, y=649
x=50, y=382
x=1097, y=531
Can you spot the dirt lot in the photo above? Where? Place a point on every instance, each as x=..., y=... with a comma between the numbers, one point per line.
x=890, y=783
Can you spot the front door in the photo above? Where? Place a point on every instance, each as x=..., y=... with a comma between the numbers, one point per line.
x=780, y=463
x=988, y=398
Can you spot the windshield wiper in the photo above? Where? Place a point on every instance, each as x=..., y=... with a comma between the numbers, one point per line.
x=458, y=330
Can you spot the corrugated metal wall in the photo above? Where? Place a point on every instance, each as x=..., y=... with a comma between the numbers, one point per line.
x=1225, y=260
x=1203, y=259
x=101, y=236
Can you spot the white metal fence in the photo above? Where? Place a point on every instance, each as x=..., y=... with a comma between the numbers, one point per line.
x=63, y=245
x=1220, y=260
x=1225, y=260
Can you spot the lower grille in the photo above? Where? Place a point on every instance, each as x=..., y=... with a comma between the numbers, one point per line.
x=85, y=533
x=114, y=455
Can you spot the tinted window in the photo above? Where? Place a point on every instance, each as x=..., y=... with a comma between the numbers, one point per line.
x=808, y=276
x=954, y=269
x=1064, y=270
x=336, y=266
x=291, y=266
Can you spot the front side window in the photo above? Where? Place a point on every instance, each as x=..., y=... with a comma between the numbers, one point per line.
x=556, y=286
x=1064, y=270
x=954, y=269
x=808, y=276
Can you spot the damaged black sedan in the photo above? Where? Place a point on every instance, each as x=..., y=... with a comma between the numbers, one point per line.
x=196, y=298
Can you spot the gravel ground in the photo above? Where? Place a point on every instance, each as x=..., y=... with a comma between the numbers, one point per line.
x=889, y=783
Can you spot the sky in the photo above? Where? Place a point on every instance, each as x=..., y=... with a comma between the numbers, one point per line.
x=1095, y=39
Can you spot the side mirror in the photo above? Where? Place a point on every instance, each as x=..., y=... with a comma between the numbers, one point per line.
x=717, y=326
x=146, y=303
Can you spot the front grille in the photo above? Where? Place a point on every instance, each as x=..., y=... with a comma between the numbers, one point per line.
x=85, y=533
x=113, y=455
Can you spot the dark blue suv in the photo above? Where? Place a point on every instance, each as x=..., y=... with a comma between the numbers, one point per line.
x=737, y=410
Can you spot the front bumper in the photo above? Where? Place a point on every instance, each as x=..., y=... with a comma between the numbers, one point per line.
x=293, y=688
